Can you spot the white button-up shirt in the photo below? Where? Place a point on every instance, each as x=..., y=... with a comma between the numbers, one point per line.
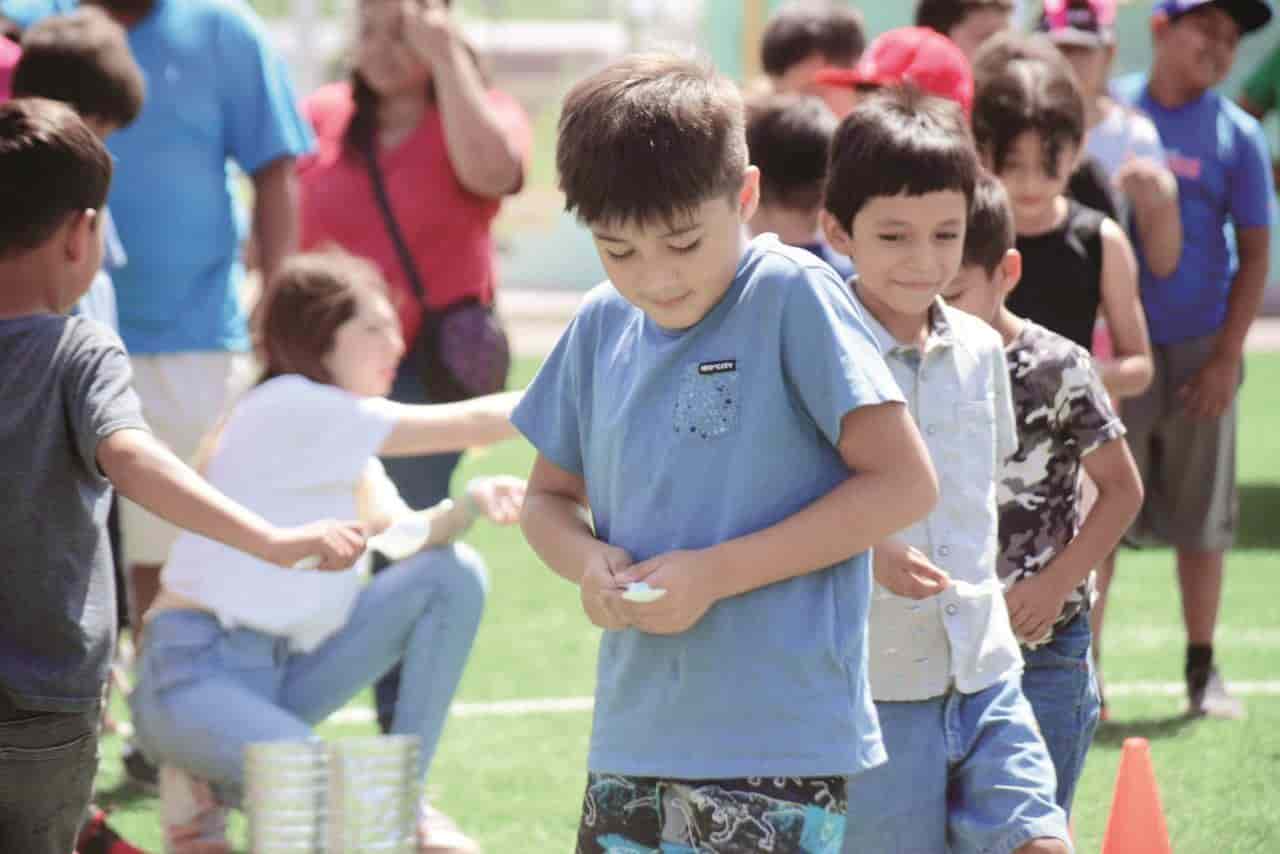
x=958, y=392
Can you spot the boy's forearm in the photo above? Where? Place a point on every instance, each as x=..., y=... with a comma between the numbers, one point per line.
x=559, y=531
x=1247, y=289
x=275, y=215
x=861, y=512
x=150, y=475
x=1160, y=229
x=1108, y=519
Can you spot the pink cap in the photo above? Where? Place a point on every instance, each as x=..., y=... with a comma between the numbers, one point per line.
x=9, y=53
x=919, y=56
x=1088, y=23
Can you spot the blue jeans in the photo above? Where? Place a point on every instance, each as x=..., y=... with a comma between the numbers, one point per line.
x=1060, y=684
x=423, y=482
x=47, y=764
x=967, y=773
x=204, y=692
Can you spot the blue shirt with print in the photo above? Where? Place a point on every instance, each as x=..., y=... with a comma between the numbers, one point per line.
x=1219, y=155
x=688, y=439
x=216, y=94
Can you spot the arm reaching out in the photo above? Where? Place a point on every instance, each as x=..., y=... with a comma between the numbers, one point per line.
x=437, y=428
x=148, y=473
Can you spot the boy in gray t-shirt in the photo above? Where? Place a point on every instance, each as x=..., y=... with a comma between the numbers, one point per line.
x=70, y=427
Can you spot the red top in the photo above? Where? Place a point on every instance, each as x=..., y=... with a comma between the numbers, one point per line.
x=446, y=225
x=9, y=53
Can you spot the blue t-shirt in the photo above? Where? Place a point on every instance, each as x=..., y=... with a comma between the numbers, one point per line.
x=840, y=263
x=1219, y=155
x=685, y=440
x=216, y=92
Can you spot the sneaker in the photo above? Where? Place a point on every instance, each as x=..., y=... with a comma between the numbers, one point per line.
x=1208, y=697
x=194, y=821
x=438, y=834
x=139, y=770
x=98, y=837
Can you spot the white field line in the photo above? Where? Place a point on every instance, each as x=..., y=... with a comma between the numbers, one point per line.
x=522, y=708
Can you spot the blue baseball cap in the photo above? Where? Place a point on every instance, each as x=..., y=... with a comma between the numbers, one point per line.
x=1249, y=14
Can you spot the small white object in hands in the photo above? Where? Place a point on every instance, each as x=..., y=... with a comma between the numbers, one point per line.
x=311, y=562
x=404, y=537
x=640, y=591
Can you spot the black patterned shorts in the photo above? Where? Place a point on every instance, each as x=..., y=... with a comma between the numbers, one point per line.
x=782, y=815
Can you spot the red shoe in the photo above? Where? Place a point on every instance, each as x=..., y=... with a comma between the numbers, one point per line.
x=97, y=837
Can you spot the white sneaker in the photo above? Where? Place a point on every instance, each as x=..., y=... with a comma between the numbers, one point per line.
x=194, y=822
x=1214, y=701
x=439, y=834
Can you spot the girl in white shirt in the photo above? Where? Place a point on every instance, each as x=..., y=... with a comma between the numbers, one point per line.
x=239, y=651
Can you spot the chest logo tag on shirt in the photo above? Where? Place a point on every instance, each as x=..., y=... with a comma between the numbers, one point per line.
x=724, y=366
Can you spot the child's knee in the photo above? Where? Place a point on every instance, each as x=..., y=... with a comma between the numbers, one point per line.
x=1044, y=845
x=467, y=577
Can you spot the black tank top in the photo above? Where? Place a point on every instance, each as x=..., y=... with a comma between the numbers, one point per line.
x=1061, y=286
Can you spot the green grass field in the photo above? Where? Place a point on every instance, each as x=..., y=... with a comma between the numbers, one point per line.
x=515, y=781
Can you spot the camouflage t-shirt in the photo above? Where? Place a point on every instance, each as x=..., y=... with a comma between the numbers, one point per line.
x=1063, y=413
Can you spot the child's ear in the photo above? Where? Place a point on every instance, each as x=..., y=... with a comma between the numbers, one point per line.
x=1010, y=271
x=749, y=194
x=80, y=230
x=837, y=238
x=1159, y=25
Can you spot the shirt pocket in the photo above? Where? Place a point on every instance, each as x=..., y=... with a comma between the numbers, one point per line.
x=708, y=401
x=976, y=420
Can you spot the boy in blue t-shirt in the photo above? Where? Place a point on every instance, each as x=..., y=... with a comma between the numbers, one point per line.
x=719, y=410
x=1183, y=429
x=967, y=769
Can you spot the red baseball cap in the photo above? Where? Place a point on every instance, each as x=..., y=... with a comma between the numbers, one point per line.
x=920, y=56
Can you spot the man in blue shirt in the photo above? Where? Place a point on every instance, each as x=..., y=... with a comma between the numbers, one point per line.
x=217, y=94
x=1182, y=430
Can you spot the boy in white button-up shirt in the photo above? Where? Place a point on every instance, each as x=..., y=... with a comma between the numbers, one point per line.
x=967, y=770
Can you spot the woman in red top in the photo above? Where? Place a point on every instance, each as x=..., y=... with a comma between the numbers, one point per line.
x=449, y=149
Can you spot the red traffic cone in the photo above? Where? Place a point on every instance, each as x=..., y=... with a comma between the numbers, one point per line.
x=1136, y=824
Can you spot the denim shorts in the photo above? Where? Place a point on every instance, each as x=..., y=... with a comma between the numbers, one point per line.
x=967, y=773
x=1059, y=683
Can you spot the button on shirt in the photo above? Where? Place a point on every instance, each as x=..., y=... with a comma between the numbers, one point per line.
x=958, y=392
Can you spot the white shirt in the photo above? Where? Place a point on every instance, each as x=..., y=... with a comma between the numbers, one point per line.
x=293, y=451
x=958, y=394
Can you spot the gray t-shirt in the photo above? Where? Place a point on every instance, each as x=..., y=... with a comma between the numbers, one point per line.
x=65, y=385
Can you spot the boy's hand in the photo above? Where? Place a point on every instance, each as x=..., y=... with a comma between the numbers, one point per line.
x=336, y=544
x=601, y=588
x=1034, y=603
x=497, y=498
x=1210, y=391
x=905, y=571
x=687, y=576
x=1146, y=181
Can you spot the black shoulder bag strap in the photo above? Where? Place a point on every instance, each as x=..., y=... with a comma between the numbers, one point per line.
x=369, y=149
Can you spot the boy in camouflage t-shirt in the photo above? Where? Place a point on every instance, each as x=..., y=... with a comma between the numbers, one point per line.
x=1048, y=546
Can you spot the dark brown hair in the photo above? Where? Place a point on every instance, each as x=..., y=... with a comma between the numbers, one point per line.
x=649, y=137
x=311, y=295
x=946, y=15
x=1030, y=91
x=797, y=31
x=51, y=167
x=990, y=233
x=789, y=139
x=898, y=140
x=363, y=127
x=82, y=59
